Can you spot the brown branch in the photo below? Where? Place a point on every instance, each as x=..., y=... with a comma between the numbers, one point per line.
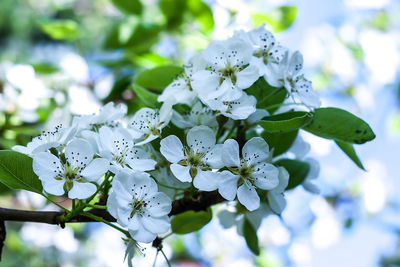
x=201, y=201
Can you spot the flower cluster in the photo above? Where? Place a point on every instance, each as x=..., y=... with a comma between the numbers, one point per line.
x=210, y=143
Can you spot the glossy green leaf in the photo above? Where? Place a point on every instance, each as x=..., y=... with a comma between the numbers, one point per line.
x=190, y=221
x=203, y=13
x=61, y=29
x=268, y=97
x=45, y=68
x=278, y=19
x=129, y=6
x=158, y=78
x=340, y=125
x=280, y=142
x=16, y=172
x=348, y=149
x=250, y=235
x=147, y=97
x=298, y=171
x=286, y=122
x=174, y=11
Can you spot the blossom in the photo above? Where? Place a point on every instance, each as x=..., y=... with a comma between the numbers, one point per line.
x=229, y=218
x=149, y=122
x=300, y=149
x=276, y=199
x=196, y=160
x=198, y=115
x=137, y=205
x=56, y=137
x=247, y=173
x=238, y=109
x=287, y=74
x=108, y=115
x=228, y=71
x=117, y=146
x=77, y=175
x=266, y=50
x=180, y=90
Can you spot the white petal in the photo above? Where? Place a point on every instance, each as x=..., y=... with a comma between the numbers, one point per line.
x=181, y=172
x=300, y=147
x=124, y=216
x=143, y=119
x=106, y=139
x=133, y=222
x=81, y=190
x=214, y=157
x=314, y=168
x=200, y=139
x=53, y=186
x=276, y=201
x=227, y=91
x=79, y=153
x=47, y=165
x=206, y=180
x=172, y=149
x=305, y=93
x=247, y=77
x=248, y=197
x=241, y=108
x=228, y=185
x=265, y=176
x=138, y=159
x=143, y=235
x=238, y=52
x=141, y=185
x=204, y=83
x=165, y=114
x=283, y=180
x=257, y=115
x=231, y=153
x=156, y=225
x=147, y=140
x=215, y=54
x=96, y=169
x=112, y=204
x=179, y=121
x=255, y=150
x=295, y=64
x=311, y=187
x=158, y=204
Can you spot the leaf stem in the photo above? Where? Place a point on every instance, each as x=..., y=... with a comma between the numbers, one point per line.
x=165, y=257
x=99, y=219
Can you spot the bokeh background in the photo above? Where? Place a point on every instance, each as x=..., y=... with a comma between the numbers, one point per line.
x=65, y=57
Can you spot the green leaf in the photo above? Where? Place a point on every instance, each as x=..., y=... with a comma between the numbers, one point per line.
x=129, y=6
x=16, y=172
x=173, y=11
x=268, y=97
x=286, y=122
x=147, y=97
x=340, y=125
x=61, y=29
x=348, y=149
x=45, y=68
x=202, y=12
x=250, y=235
x=298, y=171
x=158, y=78
x=190, y=221
x=278, y=19
x=280, y=142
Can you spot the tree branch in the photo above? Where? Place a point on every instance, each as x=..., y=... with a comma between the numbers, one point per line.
x=201, y=201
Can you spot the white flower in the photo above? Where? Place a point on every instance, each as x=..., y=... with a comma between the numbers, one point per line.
x=117, y=146
x=196, y=160
x=258, y=115
x=109, y=115
x=76, y=175
x=149, y=122
x=228, y=71
x=138, y=206
x=266, y=50
x=59, y=136
x=229, y=219
x=287, y=74
x=300, y=149
x=250, y=172
x=238, y=109
x=276, y=199
x=198, y=115
x=180, y=90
